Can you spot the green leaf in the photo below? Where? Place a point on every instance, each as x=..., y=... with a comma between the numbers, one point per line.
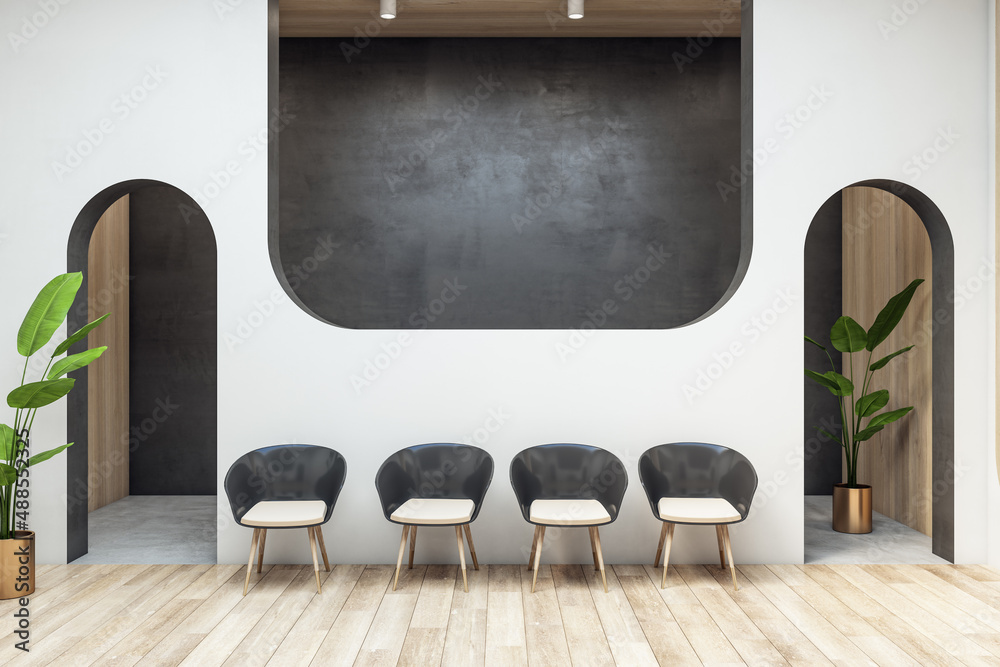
x=888, y=417
x=47, y=313
x=38, y=394
x=75, y=362
x=891, y=315
x=847, y=335
x=885, y=360
x=872, y=403
x=835, y=382
x=845, y=386
x=6, y=442
x=45, y=456
x=79, y=335
x=810, y=340
x=829, y=435
x=867, y=433
x=8, y=475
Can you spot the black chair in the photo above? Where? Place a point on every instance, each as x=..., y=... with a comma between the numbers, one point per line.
x=285, y=486
x=434, y=485
x=697, y=484
x=568, y=485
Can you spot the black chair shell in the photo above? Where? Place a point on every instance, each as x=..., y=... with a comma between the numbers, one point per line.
x=568, y=471
x=434, y=470
x=285, y=472
x=697, y=470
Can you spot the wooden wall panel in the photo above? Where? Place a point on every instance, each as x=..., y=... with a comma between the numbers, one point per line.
x=509, y=18
x=885, y=246
x=108, y=385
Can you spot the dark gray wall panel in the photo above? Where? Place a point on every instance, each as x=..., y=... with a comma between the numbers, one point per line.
x=172, y=393
x=823, y=305
x=601, y=146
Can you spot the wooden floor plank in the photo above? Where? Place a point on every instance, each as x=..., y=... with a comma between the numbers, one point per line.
x=919, y=614
x=347, y=634
x=748, y=640
x=303, y=639
x=782, y=614
x=384, y=642
x=505, y=638
x=918, y=645
x=59, y=638
x=51, y=624
x=624, y=633
x=465, y=641
x=543, y=623
x=666, y=639
x=425, y=635
x=708, y=640
x=820, y=631
x=100, y=641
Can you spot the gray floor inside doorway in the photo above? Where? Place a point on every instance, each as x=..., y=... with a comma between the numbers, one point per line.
x=889, y=541
x=153, y=530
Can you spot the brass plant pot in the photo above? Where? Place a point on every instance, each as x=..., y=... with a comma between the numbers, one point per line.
x=852, y=509
x=17, y=565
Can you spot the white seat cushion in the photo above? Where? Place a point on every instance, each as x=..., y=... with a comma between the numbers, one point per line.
x=285, y=513
x=697, y=510
x=569, y=512
x=435, y=511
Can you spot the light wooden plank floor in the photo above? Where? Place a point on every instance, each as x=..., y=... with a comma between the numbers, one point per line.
x=782, y=615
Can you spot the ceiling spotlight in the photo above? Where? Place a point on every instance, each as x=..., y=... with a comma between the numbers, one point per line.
x=387, y=9
x=576, y=9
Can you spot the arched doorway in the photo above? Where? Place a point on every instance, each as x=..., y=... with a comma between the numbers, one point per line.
x=146, y=420
x=824, y=261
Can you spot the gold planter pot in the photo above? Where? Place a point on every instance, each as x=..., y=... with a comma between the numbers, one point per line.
x=17, y=565
x=852, y=509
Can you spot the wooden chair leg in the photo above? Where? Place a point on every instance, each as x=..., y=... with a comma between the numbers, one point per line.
x=322, y=547
x=659, y=546
x=593, y=548
x=534, y=544
x=538, y=555
x=666, y=553
x=260, y=549
x=729, y=555
x=461, y=556
x=312, y=547
x=472, y=547
x=253, y=552
x=600, y=557
x=413, y=546
x=399, y=560
x=722, y=557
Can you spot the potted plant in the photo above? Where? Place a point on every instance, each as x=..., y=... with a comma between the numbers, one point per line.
x=852, y=502
x=46, y=315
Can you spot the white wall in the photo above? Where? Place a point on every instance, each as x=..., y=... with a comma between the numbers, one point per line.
x=290, y=379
